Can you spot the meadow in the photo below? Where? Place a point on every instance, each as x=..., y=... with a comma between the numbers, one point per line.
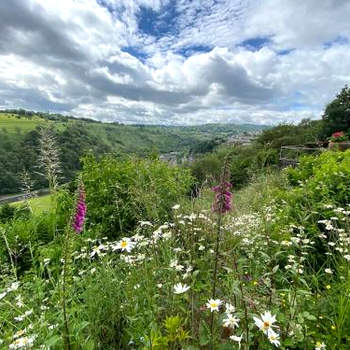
x=12, y=124
x=125, y=258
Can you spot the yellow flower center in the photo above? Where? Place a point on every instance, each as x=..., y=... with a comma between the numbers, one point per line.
x=213, y=305
x=266, y=325
x=124, y=244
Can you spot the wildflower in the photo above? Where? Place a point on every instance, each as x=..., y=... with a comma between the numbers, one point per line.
x=320, y=346
x=328, y=286
x=125, y=244
x=24, y=342
x=231, y=321
x=222, y=201
x=273, y=337
x=180, y=288
x=176, y=206
x=145, y=223
x=346, y=257
x=236, y=339
x=213, y=304
x=14, y=286
x=80, y=211
x=230, y=309
x=266, y=322
x=328, y=271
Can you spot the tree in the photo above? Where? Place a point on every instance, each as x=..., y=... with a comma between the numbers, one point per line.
x=337, y=114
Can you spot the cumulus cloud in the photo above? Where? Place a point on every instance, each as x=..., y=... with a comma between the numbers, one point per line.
x=174, y=62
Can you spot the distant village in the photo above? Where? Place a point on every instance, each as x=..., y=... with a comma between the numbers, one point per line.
x=243, y=139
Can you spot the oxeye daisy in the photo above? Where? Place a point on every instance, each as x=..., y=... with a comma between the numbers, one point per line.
x=266, y=322
x=273, y=337
x=231, y=321
x=180, y=288
x=214, y=304
x=125, y=244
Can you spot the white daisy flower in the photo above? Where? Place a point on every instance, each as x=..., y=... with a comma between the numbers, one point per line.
x=230, y=309
x=231, y=321
x=213, y=304
x=125, y=244
x=273, y=337
x=266, y=322
x=180, y=288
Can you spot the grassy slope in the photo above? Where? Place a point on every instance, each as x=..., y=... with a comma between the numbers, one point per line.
x=13, y=124
x=132, y=138
x=38, y=204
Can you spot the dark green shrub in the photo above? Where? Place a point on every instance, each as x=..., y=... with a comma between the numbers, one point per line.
x=7, y=212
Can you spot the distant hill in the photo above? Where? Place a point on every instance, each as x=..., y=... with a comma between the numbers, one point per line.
x=19, y=141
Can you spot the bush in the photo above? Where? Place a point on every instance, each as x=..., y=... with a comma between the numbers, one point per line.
x=7, y=212
x=119, y=193
x=246, y=162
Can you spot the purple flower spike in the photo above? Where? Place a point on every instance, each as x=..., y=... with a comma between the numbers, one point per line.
x=80, y=211
x=222, y=200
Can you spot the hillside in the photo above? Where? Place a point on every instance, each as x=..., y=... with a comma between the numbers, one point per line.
x=19, y=142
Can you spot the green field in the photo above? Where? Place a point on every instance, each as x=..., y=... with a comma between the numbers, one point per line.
x=14, y=124
x=38, y=204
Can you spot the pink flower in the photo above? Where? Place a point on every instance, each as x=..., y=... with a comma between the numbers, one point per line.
x=80, y=211
x=338, y=134
x=222, y=200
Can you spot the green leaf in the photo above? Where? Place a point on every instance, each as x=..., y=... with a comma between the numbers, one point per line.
x=53, y=340
x=204, y=334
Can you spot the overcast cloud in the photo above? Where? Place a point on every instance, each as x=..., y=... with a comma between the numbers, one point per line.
x=174, y=61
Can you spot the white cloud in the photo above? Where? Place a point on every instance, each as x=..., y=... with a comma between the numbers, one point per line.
x=70, y=56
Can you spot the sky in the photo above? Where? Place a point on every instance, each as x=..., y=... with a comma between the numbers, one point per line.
x=175, y=62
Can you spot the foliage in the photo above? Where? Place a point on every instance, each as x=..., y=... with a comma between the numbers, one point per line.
x=127, y=191
x=246, y=162
x=283, y=256
x=307, y=131
x=337, y=114
x=7, y=212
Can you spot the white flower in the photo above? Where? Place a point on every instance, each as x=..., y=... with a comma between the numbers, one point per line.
x=176, y=206
x=236, y=339
x=180, y=288
x=201, y=247
x=24, y=342
x=95, y=250
x=159, y=285
x=320, y=346
x=230, y=309
x=346, y=257
x=231, y=321
x=145, y=223
x=14, y=286
x=273, y=337
x=125, y=244
x=266, y=322
x=328, y=271
x=213, y=304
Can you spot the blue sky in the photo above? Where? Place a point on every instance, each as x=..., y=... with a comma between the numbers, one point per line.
x=175, y=61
